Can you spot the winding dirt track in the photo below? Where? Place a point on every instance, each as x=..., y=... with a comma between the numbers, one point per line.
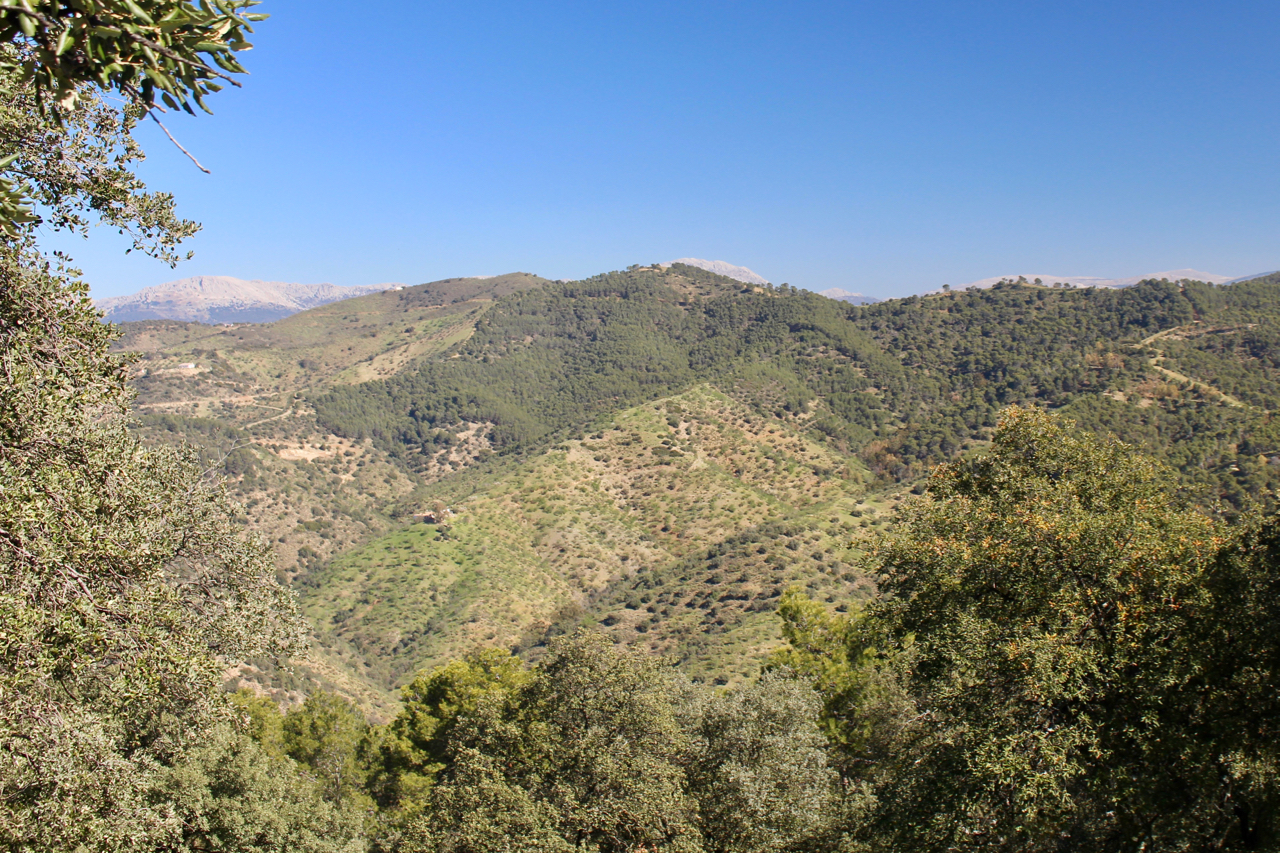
x=1193, y=330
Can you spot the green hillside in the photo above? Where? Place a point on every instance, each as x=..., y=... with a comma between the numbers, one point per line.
x=349, y=341
x=714, y=507
x=662, y=452
x=905, y=384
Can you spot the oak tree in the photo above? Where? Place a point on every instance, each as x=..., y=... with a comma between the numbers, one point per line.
x=1077, y=678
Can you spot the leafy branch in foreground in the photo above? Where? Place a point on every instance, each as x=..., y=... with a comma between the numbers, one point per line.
x=157, y=54
x=174, y=50
x=80, y=169
x=125, y=583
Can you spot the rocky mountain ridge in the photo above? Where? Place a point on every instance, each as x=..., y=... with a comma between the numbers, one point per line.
x=224, y=299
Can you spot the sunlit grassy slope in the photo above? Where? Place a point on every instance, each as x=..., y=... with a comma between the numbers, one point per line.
x=354, y=340
x=651, y=492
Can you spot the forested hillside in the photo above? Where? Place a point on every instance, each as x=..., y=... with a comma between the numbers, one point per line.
x=661, y=452
x=1183, y=369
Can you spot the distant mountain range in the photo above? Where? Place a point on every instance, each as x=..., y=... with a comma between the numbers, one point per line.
x=847, y=296
x=747, y=276
x=1252, y=277
x=223, y=299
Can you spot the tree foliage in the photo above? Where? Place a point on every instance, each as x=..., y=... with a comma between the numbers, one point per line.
x=124, y=581
x=863, y=704
x=327, y=735
x=604, y=748
x=589, y=751
x=80, y=169
x=759, y=769
x=412, y=749
x=229, y=793
x=171, y=50
x=260, y=719
x=59, y=54
x=1078, y=666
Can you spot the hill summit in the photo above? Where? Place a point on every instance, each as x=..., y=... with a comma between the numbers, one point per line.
x=723, y=268
x=1090, y=281
x=223, y=299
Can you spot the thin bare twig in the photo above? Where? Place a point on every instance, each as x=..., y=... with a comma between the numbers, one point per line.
x=177, y=143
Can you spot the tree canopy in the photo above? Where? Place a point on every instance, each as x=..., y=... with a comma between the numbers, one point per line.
x=603, y=748
x=1081, y=650
x=126, y=583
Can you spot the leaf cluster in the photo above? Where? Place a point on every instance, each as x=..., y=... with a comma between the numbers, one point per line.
x=58, y=58
x=174, y=51
x=79, y=169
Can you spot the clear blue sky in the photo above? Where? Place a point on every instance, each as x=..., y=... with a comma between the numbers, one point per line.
x=880, y=147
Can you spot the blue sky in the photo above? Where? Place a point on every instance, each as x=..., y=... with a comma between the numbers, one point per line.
x=885, y=148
